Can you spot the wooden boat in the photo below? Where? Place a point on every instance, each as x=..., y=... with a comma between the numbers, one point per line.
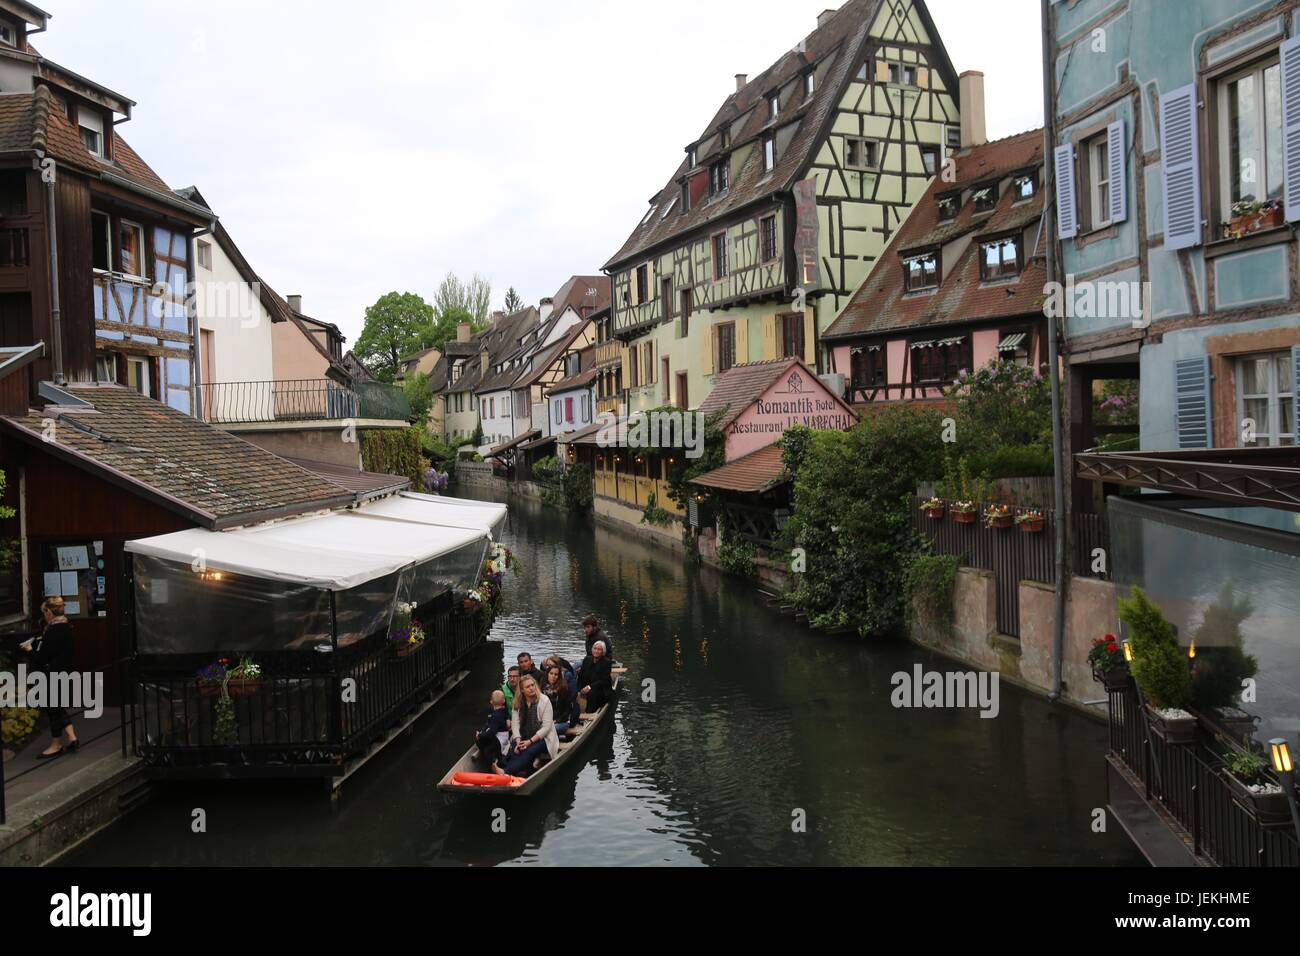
x=570, y=743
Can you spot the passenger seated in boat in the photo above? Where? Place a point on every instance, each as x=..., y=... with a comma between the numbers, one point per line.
x=591, y=627
x=596, y=677
x=557, y=691
x=494, y=738
x=528, y=669
x=533, y=740
x=510, y=687
x=571, y=679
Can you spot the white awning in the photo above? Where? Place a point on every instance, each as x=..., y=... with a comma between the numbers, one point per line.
x=439, y=511
x=1012, y=342
x=335, y=552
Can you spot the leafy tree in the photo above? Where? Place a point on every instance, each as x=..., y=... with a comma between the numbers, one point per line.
x=445, y=326
x=1002, y=405
x=419, y=392
x=397, y=325
x=473, y=296
x=852, y=518
x=513, y=302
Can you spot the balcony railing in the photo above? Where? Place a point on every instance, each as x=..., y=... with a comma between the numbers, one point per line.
x=302, y=400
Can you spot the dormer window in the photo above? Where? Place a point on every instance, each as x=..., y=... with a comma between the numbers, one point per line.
x=773, y=106
x=809, y=84
x=949, y=206
x=1025, y=185
x=986, y=197
x=769, y=153
x=92, y=131
x=921, y=272
x=724, y=137
x=719, y=177
x=692, y=158
x=1000, y=259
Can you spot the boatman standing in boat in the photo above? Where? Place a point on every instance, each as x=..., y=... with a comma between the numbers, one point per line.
x=591, y=627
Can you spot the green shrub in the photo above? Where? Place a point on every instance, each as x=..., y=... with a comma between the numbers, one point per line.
x=1160, y=666
x=395, y=452
x=653, y=514
x=1024, y=461
x=853, y=520
x=930, y=580
x=959, y=485
x=1002, y=405
x=736, y=555
x=578, y=495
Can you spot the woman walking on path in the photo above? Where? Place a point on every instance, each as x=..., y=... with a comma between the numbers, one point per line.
x=51, y=654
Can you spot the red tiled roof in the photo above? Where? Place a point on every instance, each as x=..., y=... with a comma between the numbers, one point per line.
x=742, y=385
x=756, y=472
x=214, y=478
x=834, y=46
x=882, y=303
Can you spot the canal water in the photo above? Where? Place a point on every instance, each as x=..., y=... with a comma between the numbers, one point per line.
x=765, y=743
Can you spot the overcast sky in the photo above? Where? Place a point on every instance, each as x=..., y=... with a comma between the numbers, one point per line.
x=352, y=149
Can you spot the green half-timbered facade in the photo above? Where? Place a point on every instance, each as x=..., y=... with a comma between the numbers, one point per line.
x=781, y=208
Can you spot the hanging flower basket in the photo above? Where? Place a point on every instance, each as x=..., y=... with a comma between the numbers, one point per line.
x=242, y=680
x=998, y=516
x=965, y=512
x=934, y=509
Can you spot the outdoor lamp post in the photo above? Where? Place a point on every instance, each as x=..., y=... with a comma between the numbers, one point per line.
x=1191, y=657
x=1281, y=753
x=1128, y=652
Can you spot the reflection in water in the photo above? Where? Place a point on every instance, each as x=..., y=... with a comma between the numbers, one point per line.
x=753, y=719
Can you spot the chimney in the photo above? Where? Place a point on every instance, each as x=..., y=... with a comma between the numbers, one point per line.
x=295, y=303
x=496, y=317
x=824, y=17
x=741, y=80
x=546, y=307
x=483, y=363
x=464, y=332
x=971, y=85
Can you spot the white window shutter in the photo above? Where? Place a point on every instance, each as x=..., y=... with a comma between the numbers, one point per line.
x=1180, y=157
x=1117, y=173
x=1067, y=205
x=1192, y=403
x=1291, y=127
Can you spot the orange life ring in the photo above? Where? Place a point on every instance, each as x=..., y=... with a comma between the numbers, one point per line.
x=485, y=780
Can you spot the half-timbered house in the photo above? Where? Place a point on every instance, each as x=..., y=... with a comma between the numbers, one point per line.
x=781, y=207
x=958, y=286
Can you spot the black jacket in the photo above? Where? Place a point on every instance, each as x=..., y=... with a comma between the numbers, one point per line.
x=599, y=635
x=52, y=651
x=561, y=698
x=596, y=674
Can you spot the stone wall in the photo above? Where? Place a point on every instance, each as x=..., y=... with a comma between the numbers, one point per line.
x=974, y=638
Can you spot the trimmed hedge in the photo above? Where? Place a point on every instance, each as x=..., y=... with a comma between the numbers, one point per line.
x=395, y=452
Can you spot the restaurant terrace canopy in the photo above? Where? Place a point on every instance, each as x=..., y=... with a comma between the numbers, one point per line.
x=286, y=586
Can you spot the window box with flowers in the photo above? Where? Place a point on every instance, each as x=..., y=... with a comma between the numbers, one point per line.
x=1249, y=215
x=965, y=512
x=220, y=679
x=934, y=508
x=1030, y=522
x=998, y=516
x=1107, y=662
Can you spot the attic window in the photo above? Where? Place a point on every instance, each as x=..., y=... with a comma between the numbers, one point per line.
x=809, y=84
x=692, y=157
x=719, y=177
x=949, y=205
x=669, y=208
x=921, y=272
x=1025, y=186
x=902, y=74
x=773, y=106
x=861, y=153
x=985, y=198
x=8, y=35
x=92, y=131
x=769, y=153
x=1000, y=259
x=724, y=137
x=651, y=212
x=954, y=137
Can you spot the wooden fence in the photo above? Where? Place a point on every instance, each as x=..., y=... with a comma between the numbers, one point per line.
x=1013, y=555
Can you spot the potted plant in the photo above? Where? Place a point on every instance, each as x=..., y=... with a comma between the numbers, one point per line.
x=998, y=516
x=934, y=508
x=1254, y=789
x=1108, y=666
x=1160, y=669
x=1250, y=215
x=1030, y=522
x=965, y=512
x=473, y=600
x=406, y=636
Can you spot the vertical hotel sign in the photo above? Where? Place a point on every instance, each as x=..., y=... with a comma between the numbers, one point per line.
x=806, y=234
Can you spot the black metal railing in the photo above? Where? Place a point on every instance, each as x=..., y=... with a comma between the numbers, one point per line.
x=1184, y=781
x=301, y=400
x=1013, y=555
x=308, y=713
